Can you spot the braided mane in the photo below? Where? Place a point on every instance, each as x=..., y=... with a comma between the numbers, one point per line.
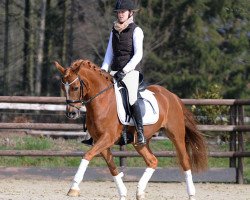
x=89, y=65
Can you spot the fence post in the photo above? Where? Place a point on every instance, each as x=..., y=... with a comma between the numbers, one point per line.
x=232, y=138
x=122, y=159
x=240, y=177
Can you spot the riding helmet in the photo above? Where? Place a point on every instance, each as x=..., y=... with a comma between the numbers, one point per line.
x=125, y=5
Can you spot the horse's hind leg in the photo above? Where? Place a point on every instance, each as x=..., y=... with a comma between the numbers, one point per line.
x=177, y=136
x=185, y=163
x=152, y=163
x=107, y=155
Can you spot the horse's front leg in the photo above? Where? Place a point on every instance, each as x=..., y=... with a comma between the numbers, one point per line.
x=107, y=155
x=75, y=190
x=103, y=143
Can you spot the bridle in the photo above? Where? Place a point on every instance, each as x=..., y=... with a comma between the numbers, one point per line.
x=71, y=102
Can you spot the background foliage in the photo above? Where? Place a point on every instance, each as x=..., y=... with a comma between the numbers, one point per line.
x=189, y=45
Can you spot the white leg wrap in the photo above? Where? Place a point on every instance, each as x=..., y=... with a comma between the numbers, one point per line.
x=79, y=174
x=120, y=185
x=144, y=180
x=189, y=182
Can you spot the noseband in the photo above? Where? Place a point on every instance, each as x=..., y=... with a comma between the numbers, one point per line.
x=81, y=100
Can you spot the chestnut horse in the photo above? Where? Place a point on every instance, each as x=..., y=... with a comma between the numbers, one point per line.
x=86, y=84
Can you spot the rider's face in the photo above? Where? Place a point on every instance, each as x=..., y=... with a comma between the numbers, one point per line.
x=122, y=15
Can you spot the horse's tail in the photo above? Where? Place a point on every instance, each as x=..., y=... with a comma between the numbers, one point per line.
x=195, y=143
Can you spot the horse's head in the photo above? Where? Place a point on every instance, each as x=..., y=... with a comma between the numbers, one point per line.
x=73, y=88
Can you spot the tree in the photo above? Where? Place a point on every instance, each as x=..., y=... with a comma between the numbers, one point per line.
x=188, y=45
x=154, y=20
x=26, y=43
x=6, y=49
x=31, y=55
x=59, y=39
x=210, y=114
x=71, y=31
x=40, y=54
x=94, y=25
x=197, y=54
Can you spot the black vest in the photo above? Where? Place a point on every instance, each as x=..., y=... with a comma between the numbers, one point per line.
x=123, y=48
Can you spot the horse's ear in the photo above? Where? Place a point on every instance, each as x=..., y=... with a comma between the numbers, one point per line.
x=59, y=67
x=76, y=66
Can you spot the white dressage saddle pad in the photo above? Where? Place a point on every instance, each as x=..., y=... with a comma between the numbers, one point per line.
x=151, y=115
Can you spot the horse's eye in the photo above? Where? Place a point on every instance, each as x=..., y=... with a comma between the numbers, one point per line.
x=75, y=88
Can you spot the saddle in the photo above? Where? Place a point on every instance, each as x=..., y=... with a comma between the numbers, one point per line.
x=147, y=102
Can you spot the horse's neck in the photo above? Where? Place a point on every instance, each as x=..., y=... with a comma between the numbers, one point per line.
x=97, y=83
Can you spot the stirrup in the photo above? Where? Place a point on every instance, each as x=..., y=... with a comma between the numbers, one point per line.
x=143, y=142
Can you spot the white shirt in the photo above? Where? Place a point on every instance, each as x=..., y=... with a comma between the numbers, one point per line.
x=138, y=52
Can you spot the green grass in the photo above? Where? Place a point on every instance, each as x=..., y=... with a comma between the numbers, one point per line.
x=35, y=143
x=247, y=169
x=44, y=143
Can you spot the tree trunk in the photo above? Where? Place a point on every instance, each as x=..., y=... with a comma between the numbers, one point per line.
x=26, y=49
x=40, y=49
x=46, y=71
x=64, y=45
x=71, y=31
x=6, y=50
x=31, y=58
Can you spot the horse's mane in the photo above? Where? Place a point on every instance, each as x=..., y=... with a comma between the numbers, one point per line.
x=80, y=63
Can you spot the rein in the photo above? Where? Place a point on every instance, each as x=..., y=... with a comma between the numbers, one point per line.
x=81, y=100
x=99, y=93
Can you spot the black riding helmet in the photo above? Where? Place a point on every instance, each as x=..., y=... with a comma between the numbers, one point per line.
x=125, y=5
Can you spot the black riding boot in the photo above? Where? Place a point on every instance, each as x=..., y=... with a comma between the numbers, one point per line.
x=89, y=142
x=136, y=114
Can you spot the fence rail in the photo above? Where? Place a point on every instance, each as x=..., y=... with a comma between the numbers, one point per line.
x=61, y=100
x=57, y=126
x=35, y=153
x=236, y=128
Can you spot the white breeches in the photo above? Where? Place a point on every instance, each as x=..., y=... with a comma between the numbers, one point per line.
x=131, y=80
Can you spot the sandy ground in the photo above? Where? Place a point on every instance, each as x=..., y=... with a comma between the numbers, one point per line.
x=20, y=189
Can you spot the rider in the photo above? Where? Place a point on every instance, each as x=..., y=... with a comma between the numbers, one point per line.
x=124, y=52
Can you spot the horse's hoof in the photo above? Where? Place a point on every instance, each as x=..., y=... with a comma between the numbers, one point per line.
x=140, y=196
x=122, y=198
x=191, y=197
x=73, y=193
